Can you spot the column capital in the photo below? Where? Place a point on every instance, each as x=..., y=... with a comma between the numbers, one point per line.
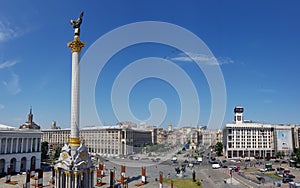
x=67, y=173
x=76, y=45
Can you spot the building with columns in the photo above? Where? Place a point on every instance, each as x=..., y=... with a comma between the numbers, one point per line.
x=109, y=141
x=20, y=148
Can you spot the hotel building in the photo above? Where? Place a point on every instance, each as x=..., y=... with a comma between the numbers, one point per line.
x=250, y=139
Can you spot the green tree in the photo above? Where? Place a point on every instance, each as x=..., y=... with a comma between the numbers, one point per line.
x=298, y=154
x=279, y=154
x=44, y=147
x=57, y=153
x=219, y=148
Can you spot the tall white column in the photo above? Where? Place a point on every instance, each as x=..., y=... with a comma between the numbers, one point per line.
x=36, y=145
x=17, y=146
x=75, y=95
x=5, y=147
x=27, y=141
x=31, y=144
x=40, y=145
x=67, y=175
x=76, y=174
x=76, y=46
x=11, y=145
x=22, y=145
x=56, y=178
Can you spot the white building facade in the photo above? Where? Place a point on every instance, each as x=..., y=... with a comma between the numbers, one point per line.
x=20, y=149
x=250, y=139
x=105, y=140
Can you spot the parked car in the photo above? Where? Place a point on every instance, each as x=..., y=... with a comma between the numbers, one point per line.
x=236, y=169
x=287, y=180
x=291, y=176
x=294, y=185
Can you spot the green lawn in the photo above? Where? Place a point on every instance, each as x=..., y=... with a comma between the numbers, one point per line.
x=272, y=175
x=183, y=183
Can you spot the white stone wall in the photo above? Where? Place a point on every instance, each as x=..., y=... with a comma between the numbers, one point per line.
x=17, y=144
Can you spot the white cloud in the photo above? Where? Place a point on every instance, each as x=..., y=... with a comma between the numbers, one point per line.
x=7, y=64
x=7, y=31
x=2, y=106
x=13, y=85
x=208, y=60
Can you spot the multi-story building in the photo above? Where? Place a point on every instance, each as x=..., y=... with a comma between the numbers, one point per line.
x=251, y=139
x=115, y=140
x=195, y=136
x=295, y=136
x=209, y=137
x=20, y=149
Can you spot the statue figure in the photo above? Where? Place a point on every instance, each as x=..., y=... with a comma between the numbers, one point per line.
x=76, y=24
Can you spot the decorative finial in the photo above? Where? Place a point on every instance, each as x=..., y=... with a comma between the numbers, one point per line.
x=76, y=44
x=30, y=115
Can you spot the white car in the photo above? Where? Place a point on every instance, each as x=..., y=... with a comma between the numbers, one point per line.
x=263, y=170
x=215, y=166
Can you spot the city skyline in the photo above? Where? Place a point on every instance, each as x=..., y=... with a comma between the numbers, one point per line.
x=255, y=43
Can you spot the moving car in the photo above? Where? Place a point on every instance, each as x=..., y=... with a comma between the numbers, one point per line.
x=287, y=180
x=216, y=165
x=291, y=176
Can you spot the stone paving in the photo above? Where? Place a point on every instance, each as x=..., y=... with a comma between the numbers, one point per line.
x=211, y=178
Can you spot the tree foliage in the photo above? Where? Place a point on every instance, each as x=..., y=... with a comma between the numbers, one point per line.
x=219, y=148
x=298, y=154
x=280, y=154
x=44, y=148
x=57, y=153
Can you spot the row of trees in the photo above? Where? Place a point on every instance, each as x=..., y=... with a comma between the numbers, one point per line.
x=45, y=152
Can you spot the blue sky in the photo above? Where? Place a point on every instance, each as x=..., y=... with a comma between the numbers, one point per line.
x=256, y=44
